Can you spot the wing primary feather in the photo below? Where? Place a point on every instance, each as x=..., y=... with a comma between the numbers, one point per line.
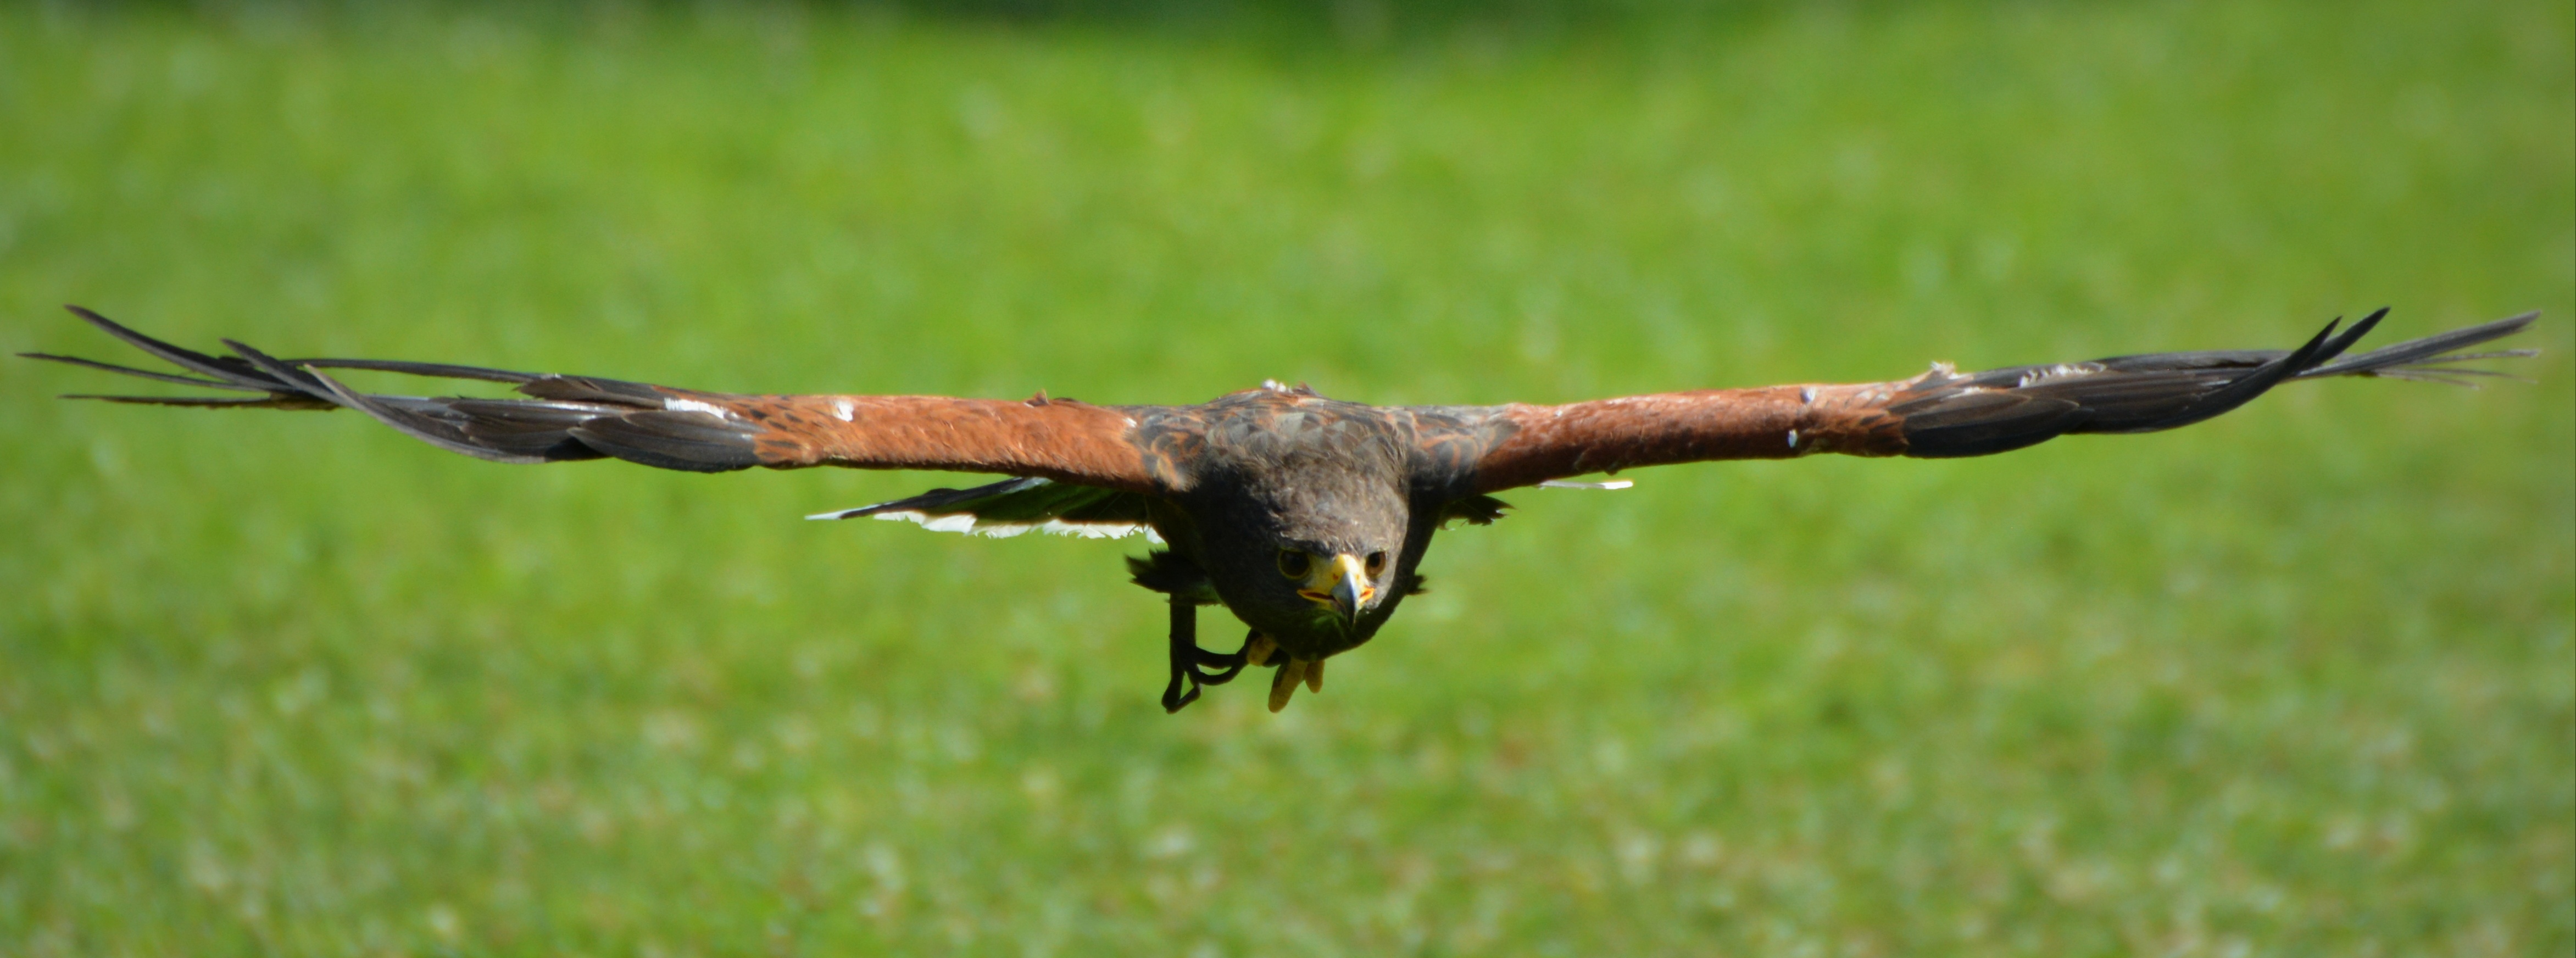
x=143, y=373
x=2149, y=393
x=2491, y=354
x=690, y=441
x=229, y=370
x=305, y=381
x=434, y=370
x=1948, y=424
x=2264, y=377
x=272, y=401
x=443, y=435
x=595, y=389
x=2431, y=349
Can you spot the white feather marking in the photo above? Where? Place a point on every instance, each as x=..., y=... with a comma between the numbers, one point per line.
x=1793, y=439
x=2059, y=371
x=844, y=409
x=1604, y=484
x=678, y=404
x=965, y=522
x=1806, y=394
x=955, y=522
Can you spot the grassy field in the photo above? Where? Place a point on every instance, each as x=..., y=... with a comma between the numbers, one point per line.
x=2298, y=681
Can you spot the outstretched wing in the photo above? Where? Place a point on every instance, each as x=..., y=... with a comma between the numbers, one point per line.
x=1942, y=413
x=580, y=417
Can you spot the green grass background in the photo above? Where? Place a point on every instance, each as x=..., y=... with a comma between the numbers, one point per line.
x=2298, y=681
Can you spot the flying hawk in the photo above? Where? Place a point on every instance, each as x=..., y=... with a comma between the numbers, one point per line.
x=1304, y=516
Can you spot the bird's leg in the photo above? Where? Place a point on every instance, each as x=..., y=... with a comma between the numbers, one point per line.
x=1185, y=656
x=1186, y=588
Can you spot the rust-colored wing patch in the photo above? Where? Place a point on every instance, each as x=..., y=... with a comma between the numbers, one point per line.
x=1055, y=439
x=1608, y=435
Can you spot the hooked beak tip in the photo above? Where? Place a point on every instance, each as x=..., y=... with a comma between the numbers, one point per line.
x=1350, y=593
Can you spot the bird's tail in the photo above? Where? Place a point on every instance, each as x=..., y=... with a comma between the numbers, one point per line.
x=1946, y=414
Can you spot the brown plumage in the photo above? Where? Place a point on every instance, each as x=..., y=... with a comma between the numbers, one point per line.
x=1306, y=517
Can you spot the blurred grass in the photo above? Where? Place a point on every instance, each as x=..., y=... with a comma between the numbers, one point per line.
x=2297, y=681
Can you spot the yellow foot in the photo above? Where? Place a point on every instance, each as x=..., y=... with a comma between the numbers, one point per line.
x=1284, y=684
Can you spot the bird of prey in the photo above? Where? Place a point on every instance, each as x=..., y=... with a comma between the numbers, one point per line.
x=1304, y=516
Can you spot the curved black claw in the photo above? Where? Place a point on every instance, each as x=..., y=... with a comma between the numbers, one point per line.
x=1231, y=662
x=1174, y=699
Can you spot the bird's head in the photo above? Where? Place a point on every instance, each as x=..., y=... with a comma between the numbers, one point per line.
x=1336, y=584
x=1314, y=599
x=1317, y=574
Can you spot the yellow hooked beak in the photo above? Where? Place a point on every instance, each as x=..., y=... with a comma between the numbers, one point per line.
x=1341, y=586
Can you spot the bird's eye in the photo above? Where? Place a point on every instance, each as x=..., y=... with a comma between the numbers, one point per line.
x=1376, y=563
x=1294, y=563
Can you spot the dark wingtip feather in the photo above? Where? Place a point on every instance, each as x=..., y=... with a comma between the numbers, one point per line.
x=305, y=380
x=142, y=373
x=443, y=435
x=432, y=370
x=572, y=418
x=690, y=441
x=2427, y=351
x=2261, y=380
x=594, y=389
x=2336, y=347
x=227, y=369
x=1996, y=411
x=272, y=401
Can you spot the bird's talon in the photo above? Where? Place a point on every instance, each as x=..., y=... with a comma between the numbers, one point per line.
x=1233, y=666
x=1174, y=699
